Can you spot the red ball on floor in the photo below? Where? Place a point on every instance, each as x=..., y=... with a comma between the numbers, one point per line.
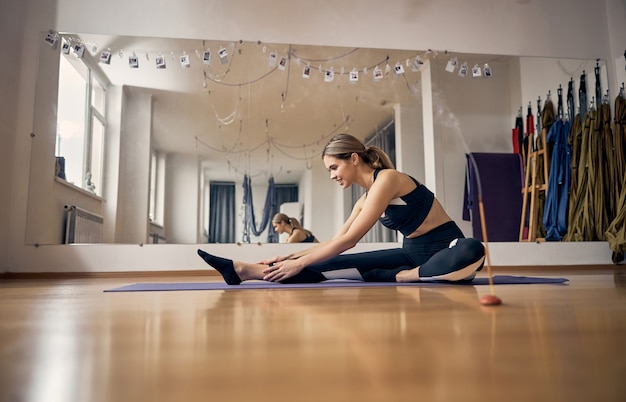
x=490, y=300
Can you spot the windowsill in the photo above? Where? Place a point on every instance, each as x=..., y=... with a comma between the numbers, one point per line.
x=80, y=190
x=156, y=225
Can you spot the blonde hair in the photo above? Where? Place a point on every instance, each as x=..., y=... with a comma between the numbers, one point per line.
x=281, y=217
x=342, y=146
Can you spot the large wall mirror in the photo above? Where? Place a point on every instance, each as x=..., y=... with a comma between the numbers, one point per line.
x=135, y=130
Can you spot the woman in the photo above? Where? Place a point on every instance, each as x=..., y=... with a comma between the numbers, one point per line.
x=433, y=248
x=297, y=234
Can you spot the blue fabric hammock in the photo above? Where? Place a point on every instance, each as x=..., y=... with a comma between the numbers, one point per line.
x=559, y=180
x=249, y=222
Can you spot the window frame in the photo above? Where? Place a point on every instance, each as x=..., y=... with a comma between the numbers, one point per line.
x=91, y=112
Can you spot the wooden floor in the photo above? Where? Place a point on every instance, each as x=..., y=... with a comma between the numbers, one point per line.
x=66, y=340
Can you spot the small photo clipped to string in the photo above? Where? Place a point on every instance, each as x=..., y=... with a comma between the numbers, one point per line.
x=52, y=38
x=476, y=71
x=451, y=66
x=160, y=62
x=377, y=74
x=354, y=75
x=417, y=63
x=184, y=61
x=133, y=61
x=329, y=76
x=79, y=50
x=398, y=68
x=206, y=57
x=105, y=57
x=223, y=53
x=487, y=70
x=306, y=72
x=272, y=59
x=282, y=63
x=66, y=47
x=463, y=70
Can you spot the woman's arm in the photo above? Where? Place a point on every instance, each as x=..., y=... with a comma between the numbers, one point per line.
x=358, y=205
x=356, y=209
x=364, y=215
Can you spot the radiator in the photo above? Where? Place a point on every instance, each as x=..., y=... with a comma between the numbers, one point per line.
x=82, y=226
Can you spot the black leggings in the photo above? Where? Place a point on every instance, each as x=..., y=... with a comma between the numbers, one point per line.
x=432, y=252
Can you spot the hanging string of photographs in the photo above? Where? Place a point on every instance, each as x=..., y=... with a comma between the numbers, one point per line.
x=477, y=69
x=225, y=56
x=216, y=61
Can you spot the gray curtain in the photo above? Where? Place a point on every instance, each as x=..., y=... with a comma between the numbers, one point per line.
x=221, y=212
x=386, y=140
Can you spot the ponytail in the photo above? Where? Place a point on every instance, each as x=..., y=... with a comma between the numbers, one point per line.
x=342, y=146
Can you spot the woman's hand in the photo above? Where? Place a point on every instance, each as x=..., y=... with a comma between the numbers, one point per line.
x=282, y=270
x=272, y=260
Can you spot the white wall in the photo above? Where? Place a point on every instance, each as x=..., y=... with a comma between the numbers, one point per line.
x=485, y=26
x=115, y=105
x=616, y=15
x=323, y=198
x=133, y=186
x=44, y=218
x=410, y=140
x=471, y=115
x=545, y=75
x=182, y=199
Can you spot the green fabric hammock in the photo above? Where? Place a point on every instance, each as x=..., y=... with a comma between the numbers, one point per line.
x=581, y=225
x=615, y=234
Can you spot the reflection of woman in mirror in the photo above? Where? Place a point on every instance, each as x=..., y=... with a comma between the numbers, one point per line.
x=433, y=248
x=297, y=234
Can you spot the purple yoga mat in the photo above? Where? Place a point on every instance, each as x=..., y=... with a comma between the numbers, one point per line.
x=335, y=283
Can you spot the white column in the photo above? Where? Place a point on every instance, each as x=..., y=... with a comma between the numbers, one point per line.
x=431, y=158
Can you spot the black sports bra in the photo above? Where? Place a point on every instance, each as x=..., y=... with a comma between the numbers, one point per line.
x=409, y=211
x=309, y=239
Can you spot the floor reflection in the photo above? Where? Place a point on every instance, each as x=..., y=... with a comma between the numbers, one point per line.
x=340, y=344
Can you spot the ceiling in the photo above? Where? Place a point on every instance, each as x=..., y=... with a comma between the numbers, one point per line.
x=247, y=113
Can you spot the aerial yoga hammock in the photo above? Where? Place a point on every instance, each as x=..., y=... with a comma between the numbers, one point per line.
x=547, y=119
x=555, y=212
x=590, y=208
x=249, y=219
x=616, y=232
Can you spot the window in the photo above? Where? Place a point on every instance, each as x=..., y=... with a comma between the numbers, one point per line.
x=157, y=187
x=80, y=125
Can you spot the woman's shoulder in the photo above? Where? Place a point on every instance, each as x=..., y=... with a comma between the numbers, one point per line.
x=392, y=175
x=394, y=183
x=297, y=235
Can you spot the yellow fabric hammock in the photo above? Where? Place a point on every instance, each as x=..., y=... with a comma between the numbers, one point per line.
x=590, y=207
x=547, y=120
x=615, y=234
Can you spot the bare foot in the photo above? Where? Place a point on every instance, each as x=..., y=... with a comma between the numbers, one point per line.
x=248, y=271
